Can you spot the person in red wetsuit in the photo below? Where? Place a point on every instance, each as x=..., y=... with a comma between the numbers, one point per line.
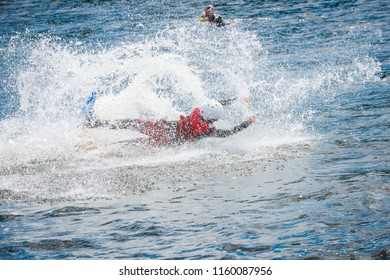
x=210, y=16
x=199, y=124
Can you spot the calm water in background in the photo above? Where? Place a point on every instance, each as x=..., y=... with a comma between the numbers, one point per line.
x=309, y=180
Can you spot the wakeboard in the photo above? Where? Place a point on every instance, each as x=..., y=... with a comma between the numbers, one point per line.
x=86, y=112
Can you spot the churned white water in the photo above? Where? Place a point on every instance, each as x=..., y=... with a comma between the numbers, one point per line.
x=310, y=170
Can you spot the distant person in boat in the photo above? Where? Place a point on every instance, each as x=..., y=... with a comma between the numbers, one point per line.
x=210, y=16
x=199, y=124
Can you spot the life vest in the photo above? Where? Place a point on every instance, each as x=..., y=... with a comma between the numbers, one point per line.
x=205, y=17
x=191, y=127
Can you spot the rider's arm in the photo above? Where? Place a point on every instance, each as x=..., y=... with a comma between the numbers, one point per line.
x=227, y=132
x=227, y=101
x=246, y=99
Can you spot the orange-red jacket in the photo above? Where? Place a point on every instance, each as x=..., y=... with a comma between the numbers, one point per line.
x=191, y=127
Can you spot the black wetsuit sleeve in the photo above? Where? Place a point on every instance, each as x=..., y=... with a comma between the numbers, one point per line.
x=227, y=101
x=227, y=132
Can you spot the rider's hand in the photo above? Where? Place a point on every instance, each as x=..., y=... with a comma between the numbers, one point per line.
x=247, y=99
x=251, y=119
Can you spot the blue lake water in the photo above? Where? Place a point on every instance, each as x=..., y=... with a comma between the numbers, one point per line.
x=309, y=180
